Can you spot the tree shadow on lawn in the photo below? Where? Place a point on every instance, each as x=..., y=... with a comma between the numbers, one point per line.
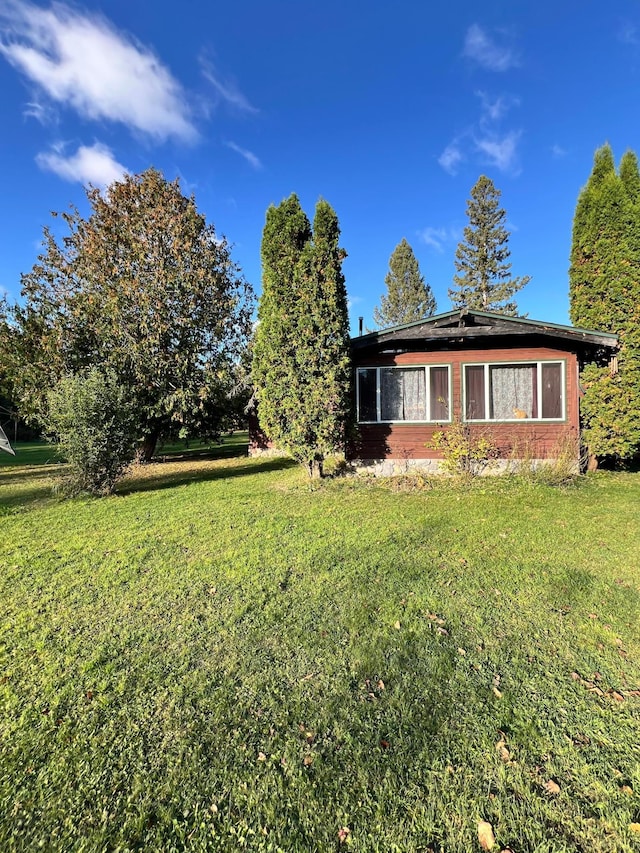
x=183, y=472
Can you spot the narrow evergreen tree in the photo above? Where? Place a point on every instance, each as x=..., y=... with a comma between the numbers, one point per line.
x=408, y=296
x=604, y=291
x=484, y=281
x=301, y=365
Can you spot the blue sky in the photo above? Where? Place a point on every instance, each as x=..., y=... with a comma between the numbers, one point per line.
x=389, y=111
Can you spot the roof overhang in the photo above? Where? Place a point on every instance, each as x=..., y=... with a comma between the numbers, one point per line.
x=456, y=327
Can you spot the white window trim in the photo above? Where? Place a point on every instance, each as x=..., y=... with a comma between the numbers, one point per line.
x=521, y=362
x=426, y=368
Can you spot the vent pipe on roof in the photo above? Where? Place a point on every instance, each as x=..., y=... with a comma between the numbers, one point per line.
x=360, y=322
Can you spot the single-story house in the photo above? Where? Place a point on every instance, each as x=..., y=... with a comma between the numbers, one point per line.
x=515, y=380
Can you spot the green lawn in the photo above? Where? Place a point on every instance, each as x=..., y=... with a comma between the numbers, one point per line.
x=221, y=657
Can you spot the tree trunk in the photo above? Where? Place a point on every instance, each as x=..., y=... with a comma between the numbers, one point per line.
x=147, y=447
x=315, y=469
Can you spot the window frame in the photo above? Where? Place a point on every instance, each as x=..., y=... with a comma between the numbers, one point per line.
x=427, y=378
x=538, y=363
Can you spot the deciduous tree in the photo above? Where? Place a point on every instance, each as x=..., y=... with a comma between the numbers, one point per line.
x=143, y=287
x=301, y=365
x=408, y=296
x=484, y=279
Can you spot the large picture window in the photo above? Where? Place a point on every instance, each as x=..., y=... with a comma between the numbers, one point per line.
x=510, y=392
x=403, y=393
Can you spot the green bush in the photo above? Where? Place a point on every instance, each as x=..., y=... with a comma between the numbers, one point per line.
x=91, y=417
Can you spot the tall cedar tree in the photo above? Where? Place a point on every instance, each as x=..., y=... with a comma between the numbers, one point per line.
x=145, y=288
x=604, y=294
x=408, y=297
x=484, y=282
x=301, y=365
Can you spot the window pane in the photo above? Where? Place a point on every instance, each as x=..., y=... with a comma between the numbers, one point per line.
x=402, y=394
x=551, y=390
x=367, y=395
x=474, y=388
x=512, y=390
x=439, y=390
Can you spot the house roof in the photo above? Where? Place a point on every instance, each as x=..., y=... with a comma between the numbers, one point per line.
x=460, y=325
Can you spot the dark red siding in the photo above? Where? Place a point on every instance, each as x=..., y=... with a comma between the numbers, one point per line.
x=535, y=439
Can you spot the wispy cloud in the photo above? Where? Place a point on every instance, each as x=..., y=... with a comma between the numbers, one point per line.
x=451, y=157
x=226, y=90
x=486, y=140
x=557, y=152
x=249, y=156
x=628, y=34
x=438, y=238
x=80, y=61
x=93, y=164
x=496, y=108
x=483, y=49
x=42, y=112
x=500, y=151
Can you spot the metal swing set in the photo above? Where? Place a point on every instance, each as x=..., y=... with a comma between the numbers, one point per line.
x=4, y=441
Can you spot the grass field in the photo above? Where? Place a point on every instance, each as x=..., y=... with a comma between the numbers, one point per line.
x=222, y=657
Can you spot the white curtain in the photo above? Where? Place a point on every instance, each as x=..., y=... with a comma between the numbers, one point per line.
x=403, y=394
x=511, y=392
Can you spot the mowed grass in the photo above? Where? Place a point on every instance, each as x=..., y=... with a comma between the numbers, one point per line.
x=222, y=657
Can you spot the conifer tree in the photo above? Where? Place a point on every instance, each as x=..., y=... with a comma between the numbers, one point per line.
x=301, y=366
x=605, y=294
x=408, y=296
x=484, y=272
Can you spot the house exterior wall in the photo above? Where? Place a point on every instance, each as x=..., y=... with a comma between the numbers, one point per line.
x=533, y=439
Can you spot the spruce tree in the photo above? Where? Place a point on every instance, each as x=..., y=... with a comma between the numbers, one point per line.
x=484, y=278
x=605, y=294
x=408, y=296
x=301, y=366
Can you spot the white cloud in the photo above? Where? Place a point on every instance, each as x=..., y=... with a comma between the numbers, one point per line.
x=451, y=157
x=226, y=90
x=438, y=238
x=557, y=151
x=480, y=47
x=40, y=111
x=493, y=109
x=486, y=139
x=500, y=152
x=249, y=156
x=94, y=165
x=81, y=61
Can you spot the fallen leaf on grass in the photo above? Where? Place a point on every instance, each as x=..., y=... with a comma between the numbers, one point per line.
x=615, y=695
x=497, y=693
x=307, y=760
x=262, y=756
x=384, y=744
x=343, y=834
x=503, y=752
x=396, y=625
x=485, y=835
x=552, y=787
x=627, y=789
x=634, y=827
